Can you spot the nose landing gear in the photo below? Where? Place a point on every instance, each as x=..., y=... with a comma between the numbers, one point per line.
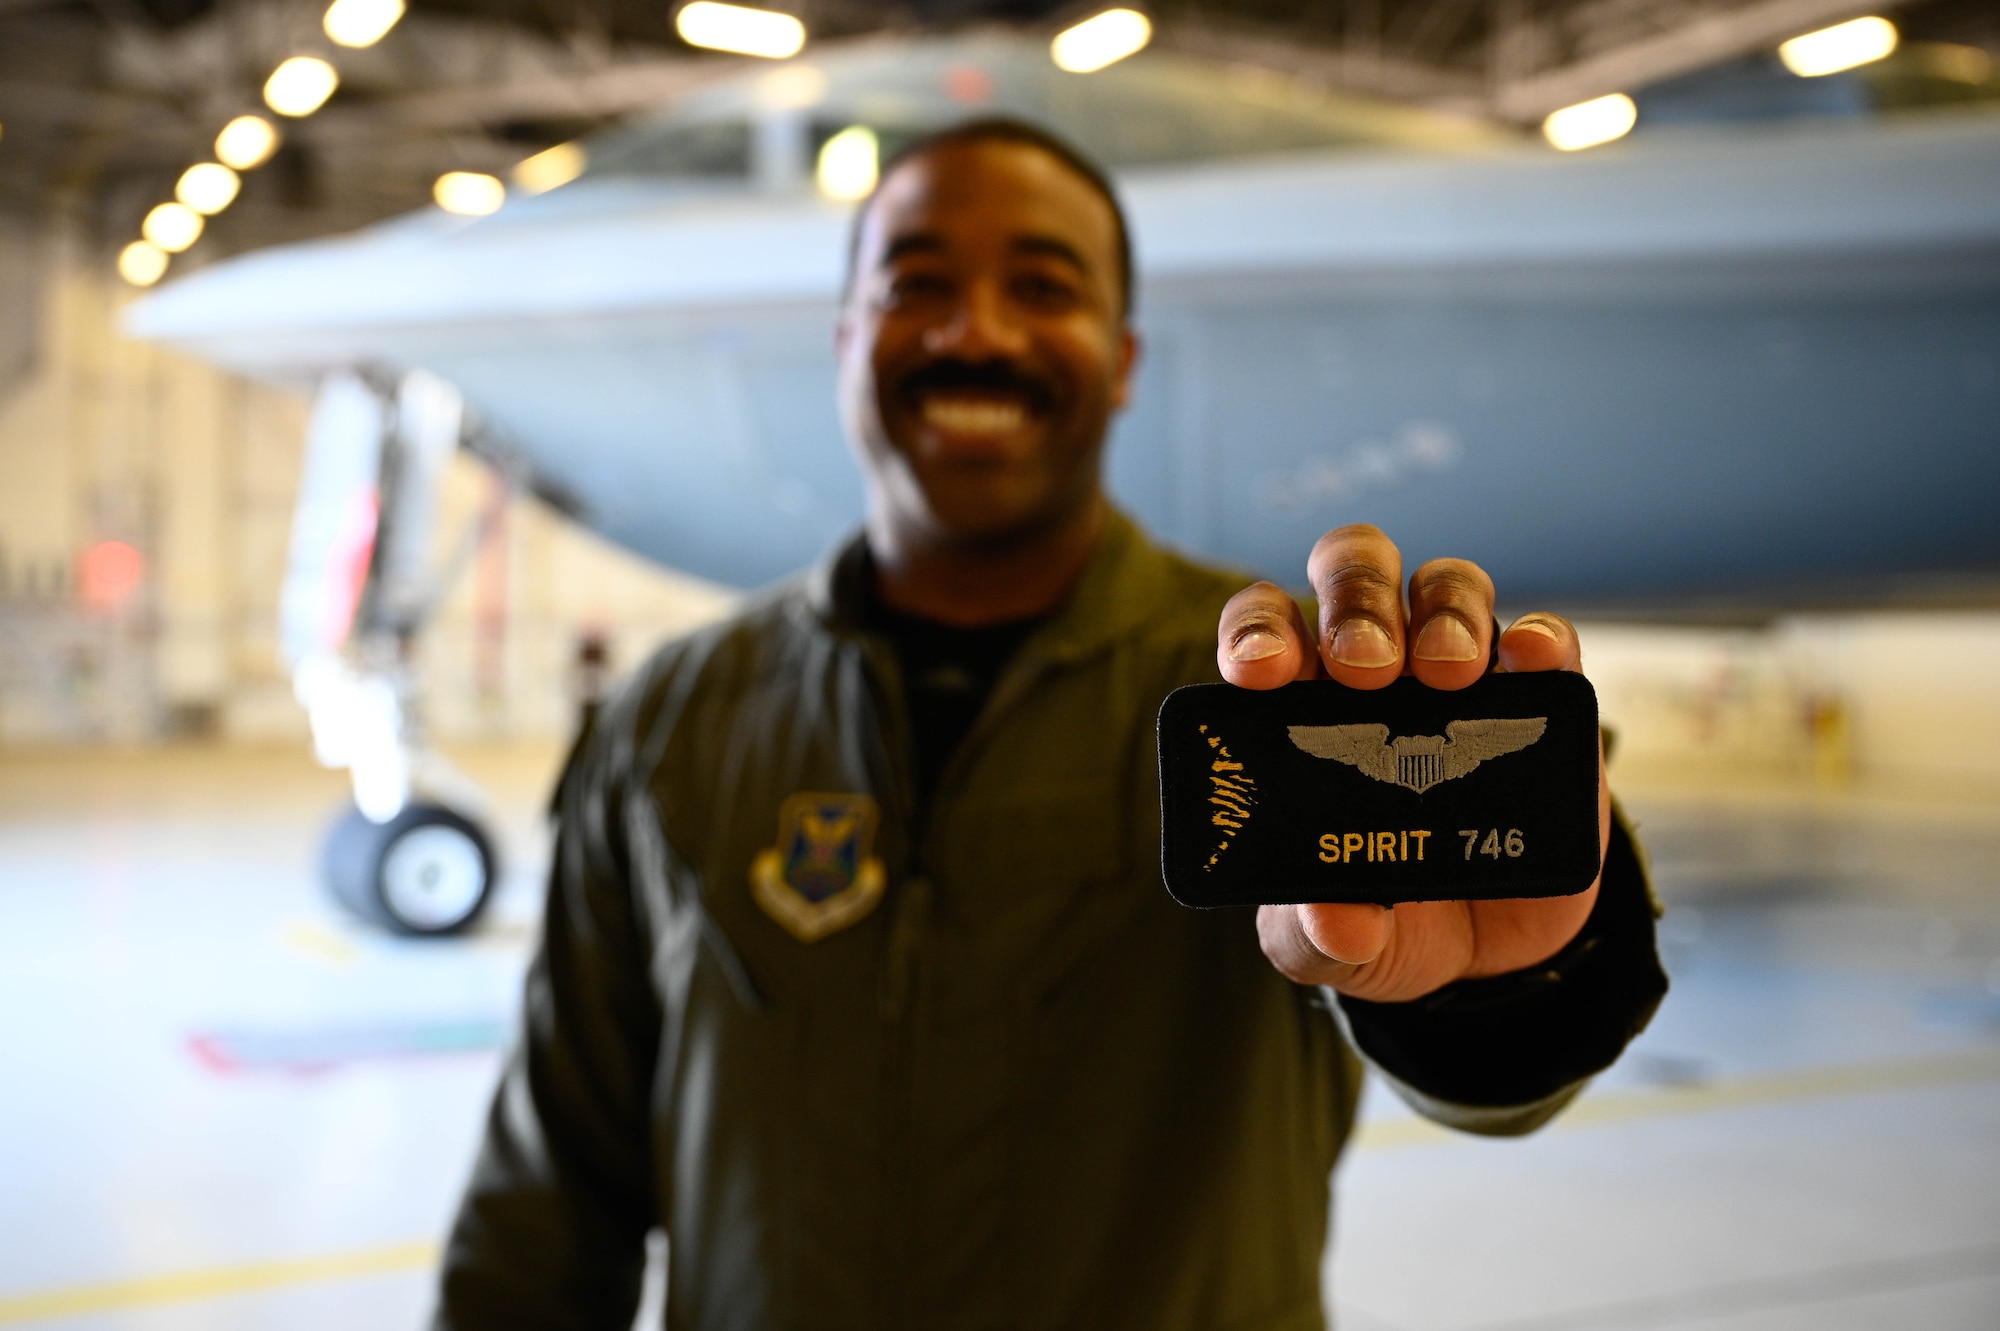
x=429, y=871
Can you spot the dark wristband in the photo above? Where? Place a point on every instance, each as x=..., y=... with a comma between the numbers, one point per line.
x=1517, y=1038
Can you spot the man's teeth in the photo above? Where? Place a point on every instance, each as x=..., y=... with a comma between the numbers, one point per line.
x=964, y=416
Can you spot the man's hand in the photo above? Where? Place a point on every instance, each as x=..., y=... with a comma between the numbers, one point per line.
x=1367, y=637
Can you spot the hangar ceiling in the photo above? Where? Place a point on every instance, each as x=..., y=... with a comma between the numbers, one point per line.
x=104, y=102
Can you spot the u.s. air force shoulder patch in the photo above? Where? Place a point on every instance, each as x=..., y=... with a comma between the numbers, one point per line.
x=820, y=877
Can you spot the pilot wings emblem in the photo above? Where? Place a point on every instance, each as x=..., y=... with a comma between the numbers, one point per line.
x=1419, y=762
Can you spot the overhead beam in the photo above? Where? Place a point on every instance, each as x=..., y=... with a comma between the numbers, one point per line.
x=61, y=104
x=1695, y=44
x=1350, y=69
x=616, y=90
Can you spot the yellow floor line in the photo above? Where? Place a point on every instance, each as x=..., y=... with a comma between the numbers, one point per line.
x=148, y=1291
x=316, y=940
x=1593, y=1111
x=1628, y=1106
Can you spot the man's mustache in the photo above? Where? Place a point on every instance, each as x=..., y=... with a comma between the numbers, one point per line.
x=998, y=377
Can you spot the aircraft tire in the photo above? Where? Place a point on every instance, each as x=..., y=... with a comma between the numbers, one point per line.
x=427, y=872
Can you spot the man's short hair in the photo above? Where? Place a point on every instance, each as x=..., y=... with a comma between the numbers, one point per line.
x=1006, y=129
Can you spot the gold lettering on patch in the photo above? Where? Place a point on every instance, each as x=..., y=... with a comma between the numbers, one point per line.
x=1384, y=847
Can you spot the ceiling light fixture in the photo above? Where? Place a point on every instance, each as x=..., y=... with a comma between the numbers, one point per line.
x=1102, y=40
x=172, y=226
x=469, y=193
x=300, y=86
x=551, y=167
x=740, y=30
x=1859, y=41
x=208, y=187
x=1587, y=124
x=359, y=23
x=142, y=263
x=246, y=142
x=849, y=164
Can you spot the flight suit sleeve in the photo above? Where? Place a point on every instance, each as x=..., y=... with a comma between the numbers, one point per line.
x=1502, y=1055
x=552, y=1228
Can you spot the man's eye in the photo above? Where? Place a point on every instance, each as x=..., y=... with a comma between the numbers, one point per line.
x=1044, y=291
x=905, y=288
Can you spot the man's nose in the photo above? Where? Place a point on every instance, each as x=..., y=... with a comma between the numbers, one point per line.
x=981, y=326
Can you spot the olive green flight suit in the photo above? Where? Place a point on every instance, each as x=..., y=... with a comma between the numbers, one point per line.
x=1028, y=1090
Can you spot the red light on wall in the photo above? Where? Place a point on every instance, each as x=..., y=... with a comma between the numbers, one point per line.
x=110, y=573
x=968, y=85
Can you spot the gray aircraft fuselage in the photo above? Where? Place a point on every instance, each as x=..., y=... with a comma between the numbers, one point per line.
x=1699, y=365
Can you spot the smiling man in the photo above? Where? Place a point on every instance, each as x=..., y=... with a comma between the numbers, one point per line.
x=857, y=975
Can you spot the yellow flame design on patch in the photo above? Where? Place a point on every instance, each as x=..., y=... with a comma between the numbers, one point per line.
x=1232, y=792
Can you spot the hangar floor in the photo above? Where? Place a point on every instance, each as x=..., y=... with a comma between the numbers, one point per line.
x=225, y=1106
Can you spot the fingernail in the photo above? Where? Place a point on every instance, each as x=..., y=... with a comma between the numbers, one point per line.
x=1255, y=645
x=1536, y=626
x=1445, y=638
x=1361, y=642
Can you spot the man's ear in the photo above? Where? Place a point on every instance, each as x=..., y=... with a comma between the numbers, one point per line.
x=1128, y=361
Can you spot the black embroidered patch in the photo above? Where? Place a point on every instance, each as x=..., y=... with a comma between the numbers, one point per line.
x=1319, y=792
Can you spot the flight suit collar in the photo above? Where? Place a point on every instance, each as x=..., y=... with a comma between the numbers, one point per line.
x=1111, y=599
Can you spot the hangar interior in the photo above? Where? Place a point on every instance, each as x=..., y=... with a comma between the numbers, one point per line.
x=231, y=1102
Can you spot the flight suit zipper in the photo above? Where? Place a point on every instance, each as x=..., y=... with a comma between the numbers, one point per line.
x=910, y=913
x=898, y=995
x=904, y=981
x=906, y=945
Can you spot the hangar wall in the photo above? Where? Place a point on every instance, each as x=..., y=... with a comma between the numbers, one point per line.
x=104, y=439
x=1907, y=698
